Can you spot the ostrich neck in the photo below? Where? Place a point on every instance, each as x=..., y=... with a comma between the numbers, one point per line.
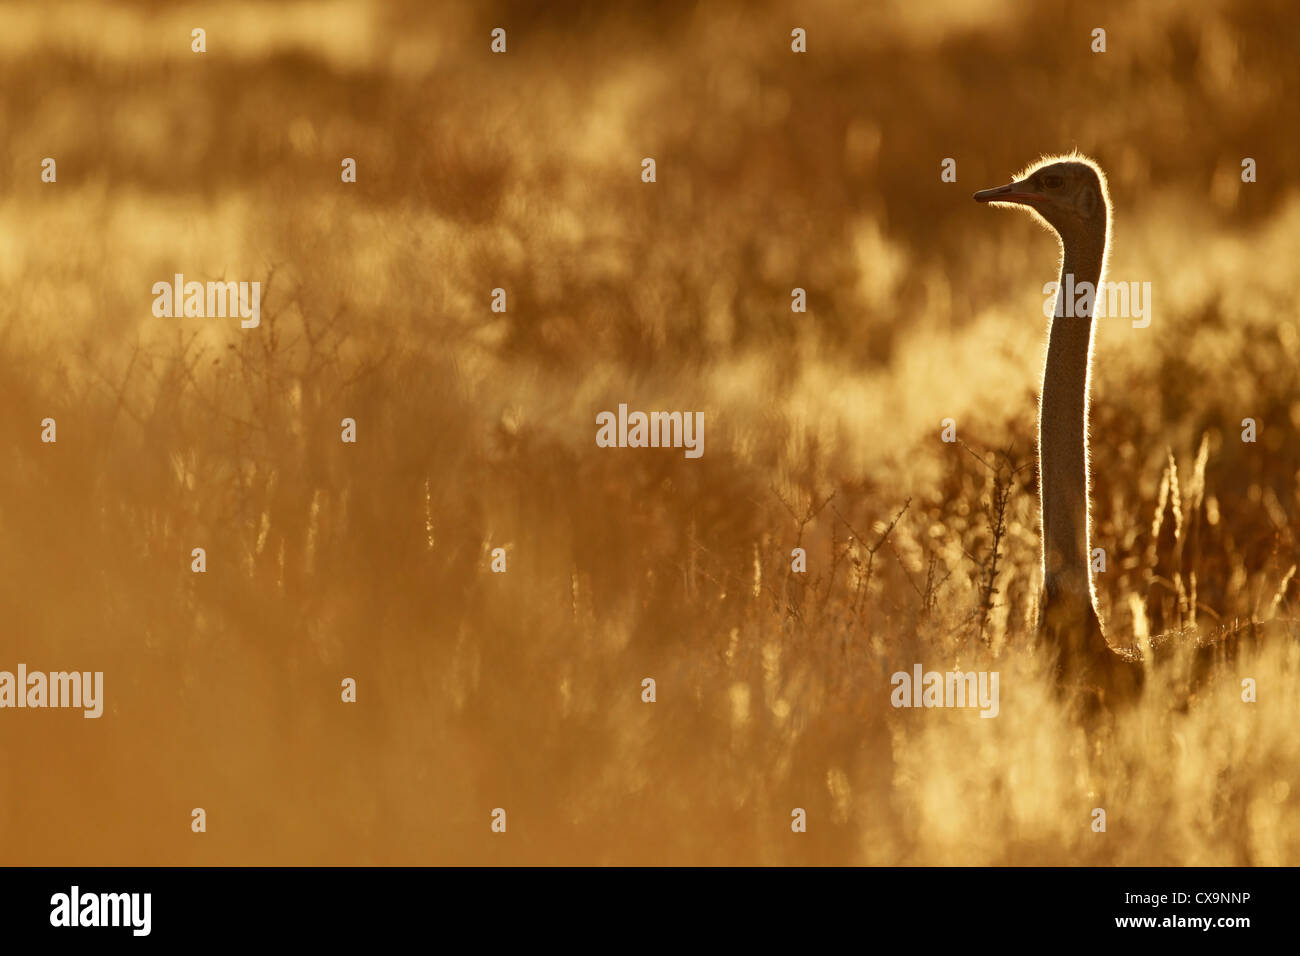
x=1063, y=433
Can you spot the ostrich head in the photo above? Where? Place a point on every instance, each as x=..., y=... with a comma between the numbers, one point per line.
x=1068, y=194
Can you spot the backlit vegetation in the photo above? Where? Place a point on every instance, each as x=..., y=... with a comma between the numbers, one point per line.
x=476, y=431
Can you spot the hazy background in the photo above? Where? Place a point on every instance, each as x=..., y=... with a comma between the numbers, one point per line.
x=476, y=430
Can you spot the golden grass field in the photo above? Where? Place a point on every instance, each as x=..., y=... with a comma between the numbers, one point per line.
x=476, y=430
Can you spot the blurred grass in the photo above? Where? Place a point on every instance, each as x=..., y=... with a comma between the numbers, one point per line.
x=476, y=430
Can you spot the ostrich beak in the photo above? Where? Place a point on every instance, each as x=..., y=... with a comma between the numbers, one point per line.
x=1011, y=192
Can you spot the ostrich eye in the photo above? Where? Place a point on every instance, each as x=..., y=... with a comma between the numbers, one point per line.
x=1053, y=182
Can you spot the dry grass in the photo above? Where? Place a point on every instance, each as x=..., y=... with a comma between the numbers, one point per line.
x=476, y=431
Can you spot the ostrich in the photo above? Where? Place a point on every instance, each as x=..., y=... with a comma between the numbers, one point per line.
x=1068, y=195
